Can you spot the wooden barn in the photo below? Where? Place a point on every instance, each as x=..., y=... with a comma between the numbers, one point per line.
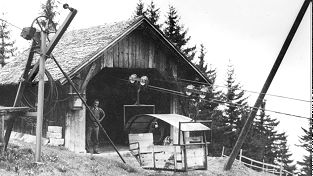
x=100, y=60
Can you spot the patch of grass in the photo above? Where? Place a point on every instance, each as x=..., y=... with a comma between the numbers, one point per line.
x=61, y=168
x=126, y=167
x=51, y=157
x=15, y=159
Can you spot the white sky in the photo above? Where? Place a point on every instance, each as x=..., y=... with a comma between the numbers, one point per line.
x=250, y=33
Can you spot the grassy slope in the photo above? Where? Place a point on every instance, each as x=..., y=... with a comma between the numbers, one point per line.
x=19, y=160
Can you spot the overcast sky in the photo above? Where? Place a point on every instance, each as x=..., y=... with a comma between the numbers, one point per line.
x=249, y=33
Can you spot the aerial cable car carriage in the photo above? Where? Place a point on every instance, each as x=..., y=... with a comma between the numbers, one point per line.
x=185, y=149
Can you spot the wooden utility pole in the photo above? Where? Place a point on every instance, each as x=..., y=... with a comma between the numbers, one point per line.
x=266, y=85
x=40, y=100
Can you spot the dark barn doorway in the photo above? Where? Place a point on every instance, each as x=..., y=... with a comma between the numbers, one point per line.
x=112, y=88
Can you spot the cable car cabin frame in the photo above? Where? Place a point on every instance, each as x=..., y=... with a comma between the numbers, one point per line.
x=189, y=153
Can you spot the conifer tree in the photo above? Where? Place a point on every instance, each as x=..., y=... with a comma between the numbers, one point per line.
x=140, y=9
x=208, y=106
x=7, y=48
x=235, y=111
x=153, y=14
x=306, y=143
x=49, y=10
x=255, y=144
x=176, y=33
x=282, y=153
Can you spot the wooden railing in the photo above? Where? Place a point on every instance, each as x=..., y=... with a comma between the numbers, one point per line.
x=258, y=165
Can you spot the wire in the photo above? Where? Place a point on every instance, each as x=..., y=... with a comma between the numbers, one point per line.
x=202, y=83
x=219, y=101
x=174, y=92
x=10, y=24
x=252, y=107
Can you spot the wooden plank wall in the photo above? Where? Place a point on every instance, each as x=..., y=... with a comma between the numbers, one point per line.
x=138, y=51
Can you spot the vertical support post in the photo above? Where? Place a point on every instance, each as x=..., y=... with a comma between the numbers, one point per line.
x=153, y=157
x=205, y=151
x=266, y=86
x=240, y=155
x=223, y=149
x=185, y=151
x=138, y=92
x=40, y=100
x=175, y=159
x=263, y=165
x=281, y=170
x=179, y=128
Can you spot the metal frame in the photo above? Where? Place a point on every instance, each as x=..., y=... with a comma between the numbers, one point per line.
x=204, y=142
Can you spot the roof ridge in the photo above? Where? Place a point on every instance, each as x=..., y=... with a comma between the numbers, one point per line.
x=130, y=21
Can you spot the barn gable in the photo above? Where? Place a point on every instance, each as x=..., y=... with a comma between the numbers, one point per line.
x=109, y=45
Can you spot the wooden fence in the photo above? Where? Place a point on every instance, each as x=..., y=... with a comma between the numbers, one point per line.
x=261, y=166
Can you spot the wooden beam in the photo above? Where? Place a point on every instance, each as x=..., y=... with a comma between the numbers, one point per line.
x=92, y=71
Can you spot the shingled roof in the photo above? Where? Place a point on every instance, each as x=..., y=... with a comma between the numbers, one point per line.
x=74, y=50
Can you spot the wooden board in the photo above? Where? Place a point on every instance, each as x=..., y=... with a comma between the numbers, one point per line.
x=145, y=141
x=13, y=109
x=195, y=157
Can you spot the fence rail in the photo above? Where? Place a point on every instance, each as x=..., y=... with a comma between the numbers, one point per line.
x=266, y=167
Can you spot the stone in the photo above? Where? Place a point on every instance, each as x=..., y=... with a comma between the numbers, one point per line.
x=56, y=142
x=55, y=129
x=54, y=135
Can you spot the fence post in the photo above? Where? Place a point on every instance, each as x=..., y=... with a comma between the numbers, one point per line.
x=263, y=165
x=251, y=164
x=240, y=155
x=223, y=151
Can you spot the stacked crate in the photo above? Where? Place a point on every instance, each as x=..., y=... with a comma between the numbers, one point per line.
x=54, y=135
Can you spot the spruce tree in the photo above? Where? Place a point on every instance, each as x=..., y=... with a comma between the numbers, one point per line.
x=176, y=33
x=153, y=14
x=236, y=111
x=7, y=48
x=306, y=143
x=283, y=154
x=49, y=10
x=140, y=11
x=208, y=106
x=255, y=144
